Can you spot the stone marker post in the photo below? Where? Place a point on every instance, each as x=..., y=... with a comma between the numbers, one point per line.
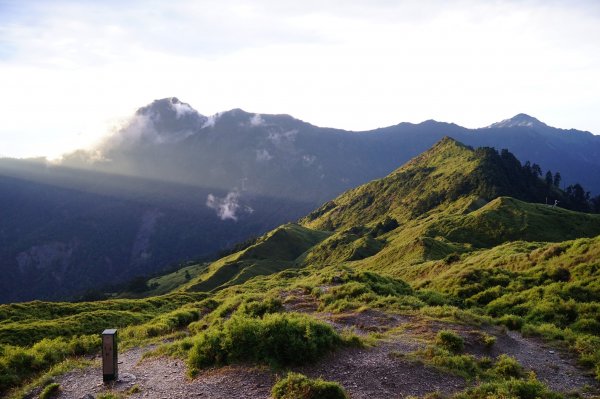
x=110, y=370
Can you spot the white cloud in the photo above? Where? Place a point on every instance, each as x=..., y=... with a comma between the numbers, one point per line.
x=262, y=155
x=76, y=66
x=282, y=138
x=226, y=207
x=182, y=109
x=211, y=120
x=256, y=120
x=308, y=160
x=141, y=128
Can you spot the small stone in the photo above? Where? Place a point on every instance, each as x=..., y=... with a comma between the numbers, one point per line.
x=550, y=351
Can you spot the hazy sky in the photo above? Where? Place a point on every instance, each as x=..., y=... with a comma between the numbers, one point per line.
x=70, y=71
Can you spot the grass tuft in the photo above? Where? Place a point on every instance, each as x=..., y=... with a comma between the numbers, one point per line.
x=298, y=386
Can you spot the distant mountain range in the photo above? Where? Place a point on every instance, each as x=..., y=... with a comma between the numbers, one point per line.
x=283, y=156
x=174, y=185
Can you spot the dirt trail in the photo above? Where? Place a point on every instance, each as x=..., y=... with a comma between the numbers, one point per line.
x=373, y=373
x=556, y=368
x=364, y=373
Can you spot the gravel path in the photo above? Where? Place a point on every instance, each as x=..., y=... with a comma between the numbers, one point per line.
x=373, y=373
x=556, y=368
x=364, y=373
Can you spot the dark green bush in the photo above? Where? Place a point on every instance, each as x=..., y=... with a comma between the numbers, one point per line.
x=587, y=325
x=50, y=391
x=451, y=258
x=559, y=274
x=507, y=367
x=258, y=307
x=463, y=365
x=513, y=388
x=511, y=321
x=277, y=339
x=450, y=341
x=298, y=386
x=432, y=298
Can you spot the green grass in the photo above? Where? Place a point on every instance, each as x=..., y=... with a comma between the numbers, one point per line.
x=298, y=386
x=42, y=380
x=164, y=284
x=26, y=323
x=438, y=239
x=35, y=336
x=50, y=391
x=508, y=219
x=17, y=364
x=277, y=250
x=513, y=388
x=547, y=289
x=276, y=339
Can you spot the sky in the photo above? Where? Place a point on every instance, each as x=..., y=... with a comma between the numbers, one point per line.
x=72, y=72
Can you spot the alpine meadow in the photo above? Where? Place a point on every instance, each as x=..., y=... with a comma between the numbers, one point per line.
x=454, y=276
x=282, y=199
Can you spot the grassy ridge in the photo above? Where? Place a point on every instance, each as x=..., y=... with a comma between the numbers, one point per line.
x=26, y=323
x=164, y=284
x=508, y=219
x=275, y=251
x=435, y=224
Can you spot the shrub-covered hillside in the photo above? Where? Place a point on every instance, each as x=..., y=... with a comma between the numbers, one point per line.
x=440, y=271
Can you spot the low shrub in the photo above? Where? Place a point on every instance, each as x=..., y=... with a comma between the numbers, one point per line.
x=276, y=339
x=511, y=321
x=50, y=391
x=298, y=386
x=513, y=388
x=487, y=340
x=258, y=307
x=507, y=367
x=463, y=365
x=450, y=341
x=432, y=298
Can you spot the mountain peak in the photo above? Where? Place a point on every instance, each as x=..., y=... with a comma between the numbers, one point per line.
x=449, y=174
x=168, y=117
x=167, y=107
x=519, y=120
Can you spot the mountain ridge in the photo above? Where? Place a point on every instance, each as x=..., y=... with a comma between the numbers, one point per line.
x=244, y=173
x=420, y=212
x=430, y=269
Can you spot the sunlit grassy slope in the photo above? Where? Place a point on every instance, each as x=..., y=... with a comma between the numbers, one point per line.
x=461, y=228
x=445, y=201
x=277, y=250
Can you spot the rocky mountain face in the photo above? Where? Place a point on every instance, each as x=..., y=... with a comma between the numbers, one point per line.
x=173, y=185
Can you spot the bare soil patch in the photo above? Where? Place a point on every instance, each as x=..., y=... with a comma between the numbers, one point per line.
x=375, y=372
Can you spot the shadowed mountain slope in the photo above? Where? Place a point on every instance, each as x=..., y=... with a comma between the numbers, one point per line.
x=224, y=178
